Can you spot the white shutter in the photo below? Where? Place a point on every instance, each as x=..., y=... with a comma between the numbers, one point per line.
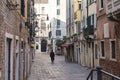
x=95, y=21
x=106, y=30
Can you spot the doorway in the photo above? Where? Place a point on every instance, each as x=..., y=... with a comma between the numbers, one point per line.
x=43, y=45
x=17, y=60
x=9, y=59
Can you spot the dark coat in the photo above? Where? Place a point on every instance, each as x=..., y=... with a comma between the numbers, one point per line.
x=52, y=55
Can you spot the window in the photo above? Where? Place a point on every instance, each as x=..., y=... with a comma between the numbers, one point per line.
x=16, y=1
x=90, y=22
x=58, y=11
x=58, y=32
x=37, y=39
x=50, y=34
x=17, y=46
x=79, y=6
x=90, y=1
x=112, y=46
x=22, y=45
x=43, y=8
x=22, y=8
x=58, y=22
x=43, y=25
x=100, y=4
x=102, y=49
x=96, y=52
x=75, y=15
x=92, y=19
x=58, y=2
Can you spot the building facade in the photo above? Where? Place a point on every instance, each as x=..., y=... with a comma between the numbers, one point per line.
x=42, y=27
x=57, y=21
x=92, y=57
x=70, y=30
x=60, y=22
x=77, y=25
x=15, y=49
x=108, y=27
x=87, y=34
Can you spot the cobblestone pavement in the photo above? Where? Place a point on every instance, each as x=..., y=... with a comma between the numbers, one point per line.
x=43, y=69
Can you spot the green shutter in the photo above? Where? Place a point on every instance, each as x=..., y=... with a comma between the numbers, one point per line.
x=89, y=21
x=58, y=11
x=58, y=22
x=58, y=2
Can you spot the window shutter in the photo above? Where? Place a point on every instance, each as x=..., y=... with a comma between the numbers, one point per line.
x=106, y=30
x=58, y=2
x=92, y=20
x=58, y=22
x=89, y=21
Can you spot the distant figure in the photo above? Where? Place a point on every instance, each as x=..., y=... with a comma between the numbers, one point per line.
x=52, y=55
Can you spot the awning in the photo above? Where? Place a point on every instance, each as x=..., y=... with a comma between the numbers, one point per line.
x=66, y=45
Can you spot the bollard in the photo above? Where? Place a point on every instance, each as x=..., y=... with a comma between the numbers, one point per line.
x=99, y=73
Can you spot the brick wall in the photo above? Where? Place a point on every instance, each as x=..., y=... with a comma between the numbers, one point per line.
x=109, y=65
x=9, y=23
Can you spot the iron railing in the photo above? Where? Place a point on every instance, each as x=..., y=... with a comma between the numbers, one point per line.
x=101, y=75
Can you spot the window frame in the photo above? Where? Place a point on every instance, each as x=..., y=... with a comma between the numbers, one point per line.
x=59, y=33
x=58, y=11
x=103, y=57
x=58, y=21
x=22, y=8
x=101, y=7
x=79, y=6
x=96, y=51
x=111, y=58
x=58, y=2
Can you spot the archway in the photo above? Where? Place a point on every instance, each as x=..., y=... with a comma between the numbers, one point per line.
x=43, y=45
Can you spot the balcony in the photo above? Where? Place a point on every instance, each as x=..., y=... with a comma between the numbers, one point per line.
x=113, y=9
x=88, y=32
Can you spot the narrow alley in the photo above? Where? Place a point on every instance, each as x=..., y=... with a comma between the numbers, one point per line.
x=42, y=69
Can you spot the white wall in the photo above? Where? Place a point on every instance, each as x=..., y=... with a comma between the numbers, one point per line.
x=51, y=10
x=53, y=19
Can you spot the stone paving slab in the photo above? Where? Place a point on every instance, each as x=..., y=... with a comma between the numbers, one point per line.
x=43, y=69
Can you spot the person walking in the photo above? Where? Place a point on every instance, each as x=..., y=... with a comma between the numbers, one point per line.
x=52, y=55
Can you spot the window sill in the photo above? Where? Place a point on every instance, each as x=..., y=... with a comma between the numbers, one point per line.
x=102, y=57
x=100, y=9
x=113, y=59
